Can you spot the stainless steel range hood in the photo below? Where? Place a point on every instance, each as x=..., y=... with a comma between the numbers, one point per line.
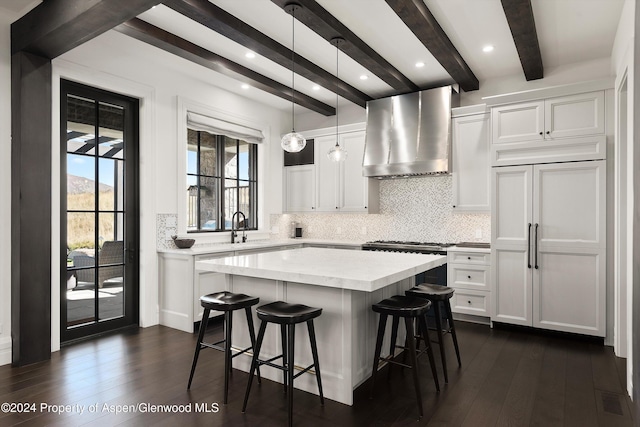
x=409, y=134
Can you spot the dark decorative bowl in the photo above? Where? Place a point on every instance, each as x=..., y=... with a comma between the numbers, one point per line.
x=183, y=243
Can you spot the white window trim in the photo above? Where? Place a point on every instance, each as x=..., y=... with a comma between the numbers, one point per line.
x=185, y=106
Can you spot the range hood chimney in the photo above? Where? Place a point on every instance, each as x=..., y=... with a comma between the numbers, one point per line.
x=409, y=134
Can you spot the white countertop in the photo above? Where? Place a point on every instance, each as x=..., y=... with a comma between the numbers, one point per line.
x=256, y=244
x=337, y=268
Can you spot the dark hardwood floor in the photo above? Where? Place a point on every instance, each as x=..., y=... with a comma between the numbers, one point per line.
x=508, y=377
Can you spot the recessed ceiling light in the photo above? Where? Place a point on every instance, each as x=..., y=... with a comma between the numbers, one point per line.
x=250, y=55
x=487, y=49
x=315, y=87
x=420, y=64
x=364, y=77
x=245, y=86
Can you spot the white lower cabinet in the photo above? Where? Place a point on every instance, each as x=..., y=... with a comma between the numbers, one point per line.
x=548, y=246
x=181, y=287
x=469, y=274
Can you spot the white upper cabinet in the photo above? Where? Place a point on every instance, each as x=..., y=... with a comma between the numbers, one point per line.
x=471, y=163
x=327, y=186
x=340, y=187
x=562, y=117
x=299, y=188
x=327, y=175
x=518, y=122
x=574, y=115
x=566, y=128
x=354, y=188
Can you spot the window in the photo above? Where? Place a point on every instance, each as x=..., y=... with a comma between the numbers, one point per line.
x=221, y=180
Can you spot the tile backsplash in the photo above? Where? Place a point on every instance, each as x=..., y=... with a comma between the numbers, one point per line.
x=418, y=209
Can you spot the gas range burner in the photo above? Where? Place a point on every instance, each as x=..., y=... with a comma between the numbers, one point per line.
x=406, y=246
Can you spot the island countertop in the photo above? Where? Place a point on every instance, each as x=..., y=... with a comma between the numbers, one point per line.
x=365, y=271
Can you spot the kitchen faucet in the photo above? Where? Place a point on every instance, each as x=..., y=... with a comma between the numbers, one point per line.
x=244, y=227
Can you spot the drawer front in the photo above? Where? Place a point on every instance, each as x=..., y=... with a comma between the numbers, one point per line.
x=469, y=257
x=468, y=277
x=476, y=303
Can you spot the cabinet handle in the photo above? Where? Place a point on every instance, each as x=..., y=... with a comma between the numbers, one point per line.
x=536, y=242
x=468, y=257
x=548, y=132
x=469, y=277
x=336, y=207
x=540, y=133
x=469, y=302
x=454, y=206
x=529, y=247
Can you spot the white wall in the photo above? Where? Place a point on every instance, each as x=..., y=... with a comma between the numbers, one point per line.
x=121, y=64
x=6, y=18
x=622, y=64
x=563, y=75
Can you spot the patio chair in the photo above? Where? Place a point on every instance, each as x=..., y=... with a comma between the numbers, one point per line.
x=112, y=252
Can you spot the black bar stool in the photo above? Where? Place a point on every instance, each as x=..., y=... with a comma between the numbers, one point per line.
x=410, y=309
x=287, y=316
x=439, y=295
x=227, y=302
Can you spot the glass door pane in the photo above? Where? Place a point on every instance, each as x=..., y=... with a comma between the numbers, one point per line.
x=99, y=292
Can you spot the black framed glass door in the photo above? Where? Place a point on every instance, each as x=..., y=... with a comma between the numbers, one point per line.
x=99, y=211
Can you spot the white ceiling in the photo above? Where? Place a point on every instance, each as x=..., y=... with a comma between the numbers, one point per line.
x=569, y=31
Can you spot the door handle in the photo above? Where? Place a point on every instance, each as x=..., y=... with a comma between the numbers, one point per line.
x=536, y=250
x=529, y=247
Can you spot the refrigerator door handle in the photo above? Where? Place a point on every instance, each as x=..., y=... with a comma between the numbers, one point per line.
x=536, y=249
x=529, y=247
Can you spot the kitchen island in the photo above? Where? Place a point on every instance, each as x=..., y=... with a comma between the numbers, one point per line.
x=344, y=283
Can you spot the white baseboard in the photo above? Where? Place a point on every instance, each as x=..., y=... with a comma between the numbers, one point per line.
x=5, y=350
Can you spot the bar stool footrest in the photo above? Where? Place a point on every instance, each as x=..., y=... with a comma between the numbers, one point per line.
x=305, y=370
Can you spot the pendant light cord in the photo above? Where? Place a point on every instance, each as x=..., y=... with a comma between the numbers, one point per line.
x=293, y=67
x=337, y=87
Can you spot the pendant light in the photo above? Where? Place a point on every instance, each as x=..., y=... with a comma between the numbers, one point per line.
x=337, y=153
x=293, y=141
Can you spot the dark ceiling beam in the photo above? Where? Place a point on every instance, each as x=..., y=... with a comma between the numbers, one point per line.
x=418, y=18
x=523, y=30
x=169, y=42
x=57, y=26
x=221, y=21
x=328, y=27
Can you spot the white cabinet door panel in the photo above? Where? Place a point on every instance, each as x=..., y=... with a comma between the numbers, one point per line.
x=471, y=165
x=353, y=197
x=326, y=175
x=569, y=292
x=299, y=183
x=568, y=204
x=574, y=115
x=511, y=205
x=520, y=122
x=512, y=286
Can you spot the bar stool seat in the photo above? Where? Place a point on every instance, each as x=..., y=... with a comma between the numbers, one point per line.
x=227, y=302
x=287, y=316
x=411, y=309
x=284, y=313
x=439, y=295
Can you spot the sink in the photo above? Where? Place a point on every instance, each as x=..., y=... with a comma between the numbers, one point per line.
x=481, y=245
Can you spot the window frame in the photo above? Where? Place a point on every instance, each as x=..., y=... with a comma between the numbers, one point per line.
x=219, y=191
